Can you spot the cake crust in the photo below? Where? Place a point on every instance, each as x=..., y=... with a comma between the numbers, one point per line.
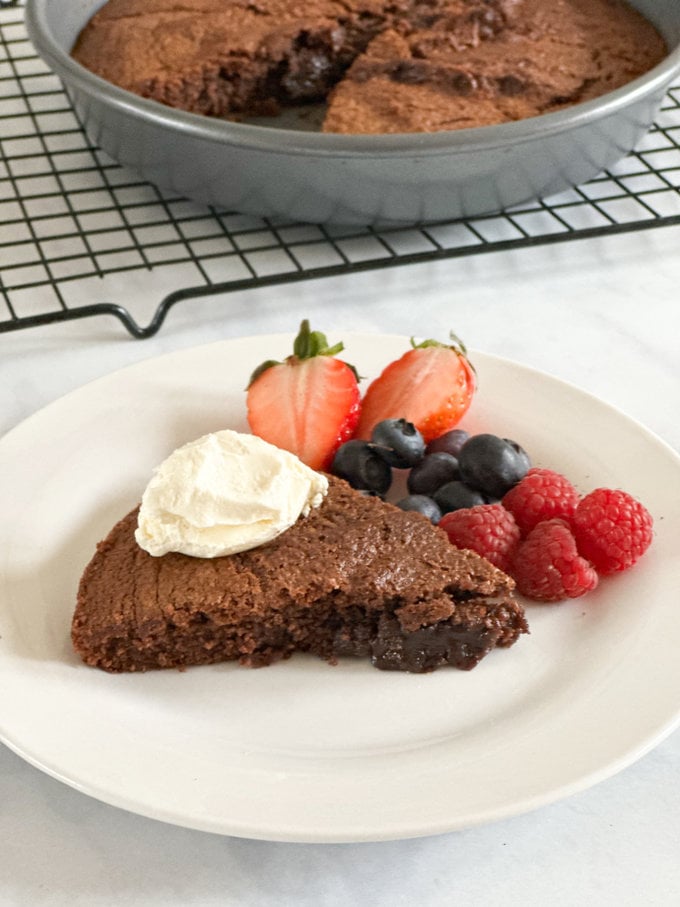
x=356, y=576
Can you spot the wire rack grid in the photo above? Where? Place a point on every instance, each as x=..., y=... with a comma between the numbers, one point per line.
x=74, y=224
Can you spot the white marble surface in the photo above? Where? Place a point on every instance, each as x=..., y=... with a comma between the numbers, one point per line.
x=603, y=314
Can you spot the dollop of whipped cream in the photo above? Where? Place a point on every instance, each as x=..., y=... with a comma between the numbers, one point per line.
x=223, y=493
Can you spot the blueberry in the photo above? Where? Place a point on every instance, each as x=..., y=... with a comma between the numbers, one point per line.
x=358, y=463
x=399, y=442
x=434, y=471
x=456, y=496
x=492, y=464
x=421, y=503
x=450, y=442
x=520, y=451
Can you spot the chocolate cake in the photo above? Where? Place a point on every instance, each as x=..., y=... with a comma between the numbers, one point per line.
x=399, y=66
x=229, y=57
x=476, y=64
x=357, y=576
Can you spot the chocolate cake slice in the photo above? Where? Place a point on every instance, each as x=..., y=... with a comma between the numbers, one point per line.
x=357, y=576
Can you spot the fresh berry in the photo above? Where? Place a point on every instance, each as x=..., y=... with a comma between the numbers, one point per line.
x=488, y=529
x=541, y=495
x=308, y=404
x=520, y=451
x=613, y=530
x=431, y=473
x=421, y=503
x=450, y=442
x=491, y=464
x=457, y=496
x=547, y=566
x=361, y=465
x=399, y=442
x=431, y=385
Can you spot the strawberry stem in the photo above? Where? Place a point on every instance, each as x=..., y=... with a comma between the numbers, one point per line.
x=309, y=344
x=456, y=344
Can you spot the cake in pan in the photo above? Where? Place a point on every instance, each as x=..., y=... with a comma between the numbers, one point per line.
x=382, y=67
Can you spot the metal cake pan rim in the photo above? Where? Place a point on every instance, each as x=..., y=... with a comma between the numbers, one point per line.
x=290, y=141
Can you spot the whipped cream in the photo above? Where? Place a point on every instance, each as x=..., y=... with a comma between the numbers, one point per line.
x=223, y=493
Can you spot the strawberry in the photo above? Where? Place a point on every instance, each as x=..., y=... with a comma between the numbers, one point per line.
x=431, y=385
x=309, y=404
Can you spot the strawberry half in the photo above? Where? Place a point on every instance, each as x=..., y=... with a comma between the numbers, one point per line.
x=431, y=385
x=309, y=404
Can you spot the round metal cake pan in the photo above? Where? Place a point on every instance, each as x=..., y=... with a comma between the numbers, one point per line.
x=354, y=179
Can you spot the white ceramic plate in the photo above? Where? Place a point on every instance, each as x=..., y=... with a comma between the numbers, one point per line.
x=302, y=751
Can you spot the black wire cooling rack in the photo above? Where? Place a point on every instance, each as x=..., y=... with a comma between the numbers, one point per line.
x=76, y=228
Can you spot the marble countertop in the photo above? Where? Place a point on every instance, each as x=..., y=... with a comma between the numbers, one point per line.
x=600, y=313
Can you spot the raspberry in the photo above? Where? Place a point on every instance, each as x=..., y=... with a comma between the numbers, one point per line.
x=541, y=495
x=488, y=529
x=612, y=529
x=547, y=566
